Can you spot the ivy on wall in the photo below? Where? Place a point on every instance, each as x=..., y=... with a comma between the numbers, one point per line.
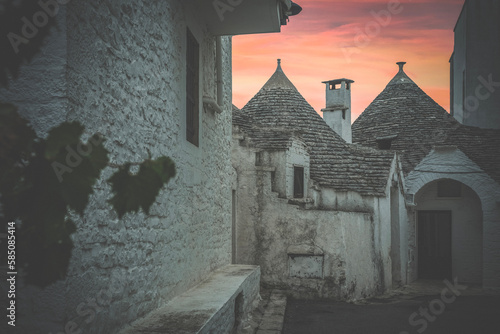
x=41, y=180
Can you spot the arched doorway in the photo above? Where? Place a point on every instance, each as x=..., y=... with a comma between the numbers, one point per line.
x=449, y=231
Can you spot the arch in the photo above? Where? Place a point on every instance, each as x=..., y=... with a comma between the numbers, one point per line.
x=449, y=232
x=460, y=168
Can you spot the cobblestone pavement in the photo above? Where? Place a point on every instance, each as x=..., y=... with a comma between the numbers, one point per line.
x=430, y=307
x=269, y=315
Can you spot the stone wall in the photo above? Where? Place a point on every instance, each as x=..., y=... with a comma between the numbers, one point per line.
x=118, y=68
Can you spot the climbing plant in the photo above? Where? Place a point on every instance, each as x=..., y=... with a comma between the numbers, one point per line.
x=24, y=26
x=41, y=180
x=44, y=180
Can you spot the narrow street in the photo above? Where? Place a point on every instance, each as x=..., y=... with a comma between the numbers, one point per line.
x=419, y=308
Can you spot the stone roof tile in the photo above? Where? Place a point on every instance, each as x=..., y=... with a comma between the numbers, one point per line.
x=404, y=110
x=334, y=163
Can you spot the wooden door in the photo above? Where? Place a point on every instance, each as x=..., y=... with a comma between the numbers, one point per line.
x=434, y=244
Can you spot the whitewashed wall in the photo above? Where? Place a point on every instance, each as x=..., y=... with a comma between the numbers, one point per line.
x=297, y=156
x=118, y=67
x=460, y=168
x=337, y=247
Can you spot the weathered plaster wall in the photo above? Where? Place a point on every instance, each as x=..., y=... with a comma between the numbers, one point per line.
x=125, y=78
x=401, y=251
x=345, y=239
x=296, y=156
x=460, y=168
x=339, y=253
x=406, y=248
x=344, y=200
x=283, y=162
x=243, y=161
x=382, y=238
x=466, y=229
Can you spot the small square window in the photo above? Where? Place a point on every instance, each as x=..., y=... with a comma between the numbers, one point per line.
x=298, y=182
x=384, y=144
x=449, y=188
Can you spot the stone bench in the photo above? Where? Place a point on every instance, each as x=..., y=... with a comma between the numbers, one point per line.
x=216, y=305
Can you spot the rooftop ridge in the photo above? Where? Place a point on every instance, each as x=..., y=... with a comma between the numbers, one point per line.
x=401, y=77
x=409, y=115
x=279, y=80
x=332, y=161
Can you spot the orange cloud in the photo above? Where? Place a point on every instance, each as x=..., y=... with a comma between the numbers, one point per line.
x=359, y=40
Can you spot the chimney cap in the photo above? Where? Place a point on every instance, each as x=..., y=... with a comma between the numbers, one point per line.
x=337, y=81
x=401, y=64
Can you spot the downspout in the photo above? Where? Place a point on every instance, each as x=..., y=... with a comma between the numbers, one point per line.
x=215, y=104
x=218, y=52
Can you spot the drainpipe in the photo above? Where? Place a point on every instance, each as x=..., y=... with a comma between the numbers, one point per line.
x=220, y=93
x=215, y=104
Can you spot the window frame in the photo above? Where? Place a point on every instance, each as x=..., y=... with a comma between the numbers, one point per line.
x=192, y=88
x=297, y=192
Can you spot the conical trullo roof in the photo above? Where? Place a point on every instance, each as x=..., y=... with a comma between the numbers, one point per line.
x=334, y=163
x=406, y=113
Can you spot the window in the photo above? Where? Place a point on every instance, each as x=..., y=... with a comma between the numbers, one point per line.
x=384, y=144
x=192, y=89
x=298, y=182
x=343, y=113
x=449, y=188
x=273, y=181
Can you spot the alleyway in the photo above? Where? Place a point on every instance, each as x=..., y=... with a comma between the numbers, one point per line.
x=423, y=307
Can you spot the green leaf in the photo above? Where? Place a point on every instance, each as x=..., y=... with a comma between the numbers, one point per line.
x=132, y=192
x=46, y=262
x=41, y=179
x=77, y=185
x=40, y=195
x=165, y=167
x=61, y=136
x=16, y=138
x=99, y=157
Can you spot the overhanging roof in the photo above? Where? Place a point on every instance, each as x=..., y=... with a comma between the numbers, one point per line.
x=238, y=17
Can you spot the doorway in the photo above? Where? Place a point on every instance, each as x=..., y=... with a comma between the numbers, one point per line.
x=395, y=238
x=434, y=244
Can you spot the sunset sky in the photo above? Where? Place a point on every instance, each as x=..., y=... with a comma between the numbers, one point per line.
x=334, y=39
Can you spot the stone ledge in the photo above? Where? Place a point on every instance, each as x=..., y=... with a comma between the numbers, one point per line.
x=209, y=305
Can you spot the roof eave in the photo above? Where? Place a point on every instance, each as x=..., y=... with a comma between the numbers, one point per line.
x=245, y=17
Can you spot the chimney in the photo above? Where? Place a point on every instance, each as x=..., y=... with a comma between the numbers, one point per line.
x=337, y=113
